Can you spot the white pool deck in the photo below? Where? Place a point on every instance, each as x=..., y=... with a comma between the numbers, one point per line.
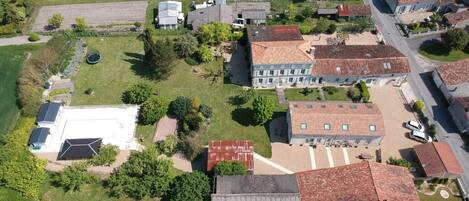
x=115, y=124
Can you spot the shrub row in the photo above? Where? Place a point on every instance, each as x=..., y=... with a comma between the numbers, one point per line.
x=364, y=91
x=49, y=60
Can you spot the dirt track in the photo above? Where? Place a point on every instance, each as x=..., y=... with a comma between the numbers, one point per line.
x=94, y=14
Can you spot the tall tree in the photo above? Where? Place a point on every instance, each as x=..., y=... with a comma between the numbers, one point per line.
x=75, y=176
x=186, y=45
x=263, y=107
x=456, y=39
x=193, y=186
x=159, y=55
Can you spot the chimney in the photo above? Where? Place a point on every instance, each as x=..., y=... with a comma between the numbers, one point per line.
x=312, y=50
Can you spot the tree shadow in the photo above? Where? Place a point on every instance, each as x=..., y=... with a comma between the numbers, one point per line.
x=138, y=65
x=243, y=116
x=277, y=128
x=435, y=47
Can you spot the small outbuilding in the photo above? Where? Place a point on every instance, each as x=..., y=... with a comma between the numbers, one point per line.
x=352, y=11
x=38, y=137
x=76, y=149
x=438, y=160
x=231, y=150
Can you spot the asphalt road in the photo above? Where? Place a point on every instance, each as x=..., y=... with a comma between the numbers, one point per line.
x=421, y=82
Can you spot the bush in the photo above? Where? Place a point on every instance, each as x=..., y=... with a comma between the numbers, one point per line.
x=89, y=91
x=419, y=105
x=80, y=24
x=399, y=162
x=204, y=53
x=74, y=176
x=192, y=61
x=364, y=91
x=191, y=147
x=8, y=29
x=206, y=111
x=180, y=107
x=354, y=93
x=186, y=45
x=332, y=28
x=152, y=110
x=194, y=186
x=418, y=183
x=196, y=102
x=107, y=155
x=193, y=121
x=33, y=37
x=330, y=89
x=138, y=25
x=305, y=29
x=432, y=130
x=137, y=94
x=263, y=107
x=456, y=39
x=168, y=146
x=55, y=21
x=230, y=168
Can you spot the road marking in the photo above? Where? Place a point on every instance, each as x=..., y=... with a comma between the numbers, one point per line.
x=346, y=158
x=269, y=162
x=312, y=158
x=329, y=157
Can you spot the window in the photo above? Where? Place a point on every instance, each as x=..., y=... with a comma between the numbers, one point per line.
x=290, y=80
x=260, y=81
x=309, y=106
x=303, y=126
x=261, y=72
x=292, y=72
x=345, y=127
x=300, y=79
x=372, y=127
x=303, y=71
x=327, y=126
x=337, y=69
x=271, y=72
x=271, y=80
x=282, y=72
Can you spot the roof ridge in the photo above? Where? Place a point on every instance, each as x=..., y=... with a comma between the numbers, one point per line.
x=372, y=179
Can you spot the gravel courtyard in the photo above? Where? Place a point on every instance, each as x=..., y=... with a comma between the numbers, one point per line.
x=95, y=14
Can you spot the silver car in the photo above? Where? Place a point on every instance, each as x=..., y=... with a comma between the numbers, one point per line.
x=415, y=126
x=420, y=136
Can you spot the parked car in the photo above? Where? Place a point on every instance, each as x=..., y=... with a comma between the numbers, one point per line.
x=415, y=126
x=420, y=136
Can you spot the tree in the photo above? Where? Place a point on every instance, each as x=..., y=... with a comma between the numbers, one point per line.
x=245, y=97
x=305, y=29
x=107, y=155
x=80, y=24
x=229, y=168
x=204, y=53
x=180, y=107
x=56, y=20
x=214, y=33
x=354, y=93
x=291, y=12
x=191, y=146
x=322, y=25
x=399, y=162
x=363, y=23
x=143, y=174
x=196, y=102
x=137, y=94
x=11, y=13
x=152, y=110
x=206, y=111
x=193, y=121
x=74, y=176
x=456, y=39
x=263, y=107
x=332, y=28
x=307, y=12
x=186, y=45
x=168, y=146
x=159, y=55
x=419, y=105
x=436, y=18
x=137, y=25
x=193, y=186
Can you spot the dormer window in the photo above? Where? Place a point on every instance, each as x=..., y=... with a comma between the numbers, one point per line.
x=327, y=127
x=345, y=127
x=387, y=65
x=303, y=126
x=372, y=127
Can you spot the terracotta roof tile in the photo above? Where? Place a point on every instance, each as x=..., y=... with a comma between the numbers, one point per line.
x=358, y=116
x=357, y=60
x=274, y=33
x=354, y=10
x=366, y=181
x=437, y=158
x=454, y=73
x=230, y=150
x=455, y=18
x=280, y=52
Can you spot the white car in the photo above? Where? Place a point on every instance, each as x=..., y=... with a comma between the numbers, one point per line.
x=415, y=126
x=420, y=136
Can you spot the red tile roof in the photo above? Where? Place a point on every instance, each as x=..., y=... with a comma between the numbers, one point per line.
x=274, y=33
x=281, y=52
x=230, y=150
x=358, y=117
x=454, y=73
x=366, y=181
x=354, y=10
x=455, y=18
x=358, y=60
x=437, y=158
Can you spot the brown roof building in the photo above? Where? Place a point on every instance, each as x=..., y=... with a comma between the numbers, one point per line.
x=454, y=73
x=230, y=150
x=358, y=60
x=366, y=181
x=354, y=10
x=459, y=19
x=334, y=123
x=438, y=160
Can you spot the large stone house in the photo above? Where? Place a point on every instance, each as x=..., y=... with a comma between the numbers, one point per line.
x=363, y=181
x=453, y=81
x=334, y=123
x=280, y=57
x=408, y=6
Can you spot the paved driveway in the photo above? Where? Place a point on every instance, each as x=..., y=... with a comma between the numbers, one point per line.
x=94, y=14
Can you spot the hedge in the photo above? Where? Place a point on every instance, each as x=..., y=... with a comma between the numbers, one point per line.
x=364, y=91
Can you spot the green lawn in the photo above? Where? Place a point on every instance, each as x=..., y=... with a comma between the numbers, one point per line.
x=8, y=194
x=437, y=51
x=146, y=133
x=437, y=197
x=122, y=67
x=297, y=95
x=340, y=95
x=11, y=62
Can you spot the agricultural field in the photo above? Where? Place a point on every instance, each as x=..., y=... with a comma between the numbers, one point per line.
x=11, y=63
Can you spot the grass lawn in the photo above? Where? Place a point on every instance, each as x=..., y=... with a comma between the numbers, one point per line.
x=437, y=197
x=340, y=95
x=146, y=133
x=8, y=194
x=11, y=62
x=297, y=95
x=122, y=67
x=437, y=51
